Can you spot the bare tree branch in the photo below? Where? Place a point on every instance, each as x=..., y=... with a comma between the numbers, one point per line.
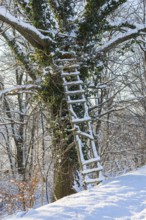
x=121, y=38
x=16, y=89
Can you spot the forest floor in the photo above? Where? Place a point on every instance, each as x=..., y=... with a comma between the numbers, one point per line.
x=122, y=198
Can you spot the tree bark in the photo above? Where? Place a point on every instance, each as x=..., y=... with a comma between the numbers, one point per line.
x=65, y=155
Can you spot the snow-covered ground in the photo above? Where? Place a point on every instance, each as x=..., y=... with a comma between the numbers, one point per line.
x=123, y=198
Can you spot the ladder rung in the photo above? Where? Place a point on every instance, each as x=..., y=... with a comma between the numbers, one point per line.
x=67, y=59
x=80, y=120
x=70, y=74
x=92, y=170
x=71, y=66
x=96, y=180
x=91, y=161
x=67, y=53
x=85, y=135
x=76, y=101
x=72, y=83
x=75, y=92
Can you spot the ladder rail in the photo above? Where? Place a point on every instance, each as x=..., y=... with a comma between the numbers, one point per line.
x=91, y=166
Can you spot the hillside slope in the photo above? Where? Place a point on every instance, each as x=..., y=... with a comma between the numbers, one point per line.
x=122, y=198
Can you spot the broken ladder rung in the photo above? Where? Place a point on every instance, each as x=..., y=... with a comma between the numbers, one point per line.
x=92, y=170
x=81, y=120
x=80, y=133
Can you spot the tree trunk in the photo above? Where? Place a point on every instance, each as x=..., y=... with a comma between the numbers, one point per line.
x=65, y=155
x=65, y=159
x=64, y=176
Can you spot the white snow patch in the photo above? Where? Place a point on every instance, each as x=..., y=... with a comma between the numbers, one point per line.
x=123, y=198
x=140, y=28
x=15, y=21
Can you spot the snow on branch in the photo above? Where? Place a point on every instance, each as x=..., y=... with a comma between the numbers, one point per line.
x=16, y=89
x=121, y=38
x=29, y=32
x=11, y=122
x=109, y=111
x=133, y=100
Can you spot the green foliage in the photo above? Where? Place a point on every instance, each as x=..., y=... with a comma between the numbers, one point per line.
x=25, y=6
x=63, y=11
x=95, y=22
x=40, y=12
x=52, y=91
x=41, y=57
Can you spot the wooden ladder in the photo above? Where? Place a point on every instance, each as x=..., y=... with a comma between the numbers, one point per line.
x=81, y=121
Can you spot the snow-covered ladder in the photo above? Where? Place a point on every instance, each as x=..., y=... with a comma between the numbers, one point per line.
x=81, y=121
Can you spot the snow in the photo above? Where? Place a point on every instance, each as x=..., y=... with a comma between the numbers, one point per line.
x=140, y=29
x=123, y=198
x=22, y=26
x=26, y=1
x=15, y=89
